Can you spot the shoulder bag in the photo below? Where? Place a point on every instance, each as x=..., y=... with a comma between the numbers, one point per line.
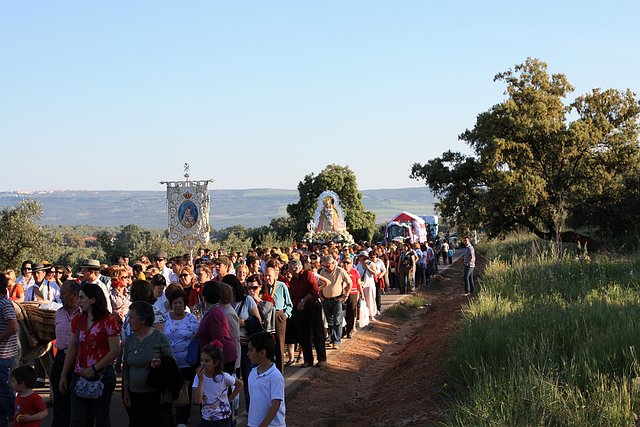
x=85, y=388
x=89, y=389
x=251, y=324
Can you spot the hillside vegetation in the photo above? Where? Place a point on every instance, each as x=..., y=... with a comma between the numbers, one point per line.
x=549, y=340
x=249, y=208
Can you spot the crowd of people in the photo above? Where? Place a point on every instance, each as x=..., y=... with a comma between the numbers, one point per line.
x=201, y=330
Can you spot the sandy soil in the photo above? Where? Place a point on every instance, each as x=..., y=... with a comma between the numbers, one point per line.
x=392, y=375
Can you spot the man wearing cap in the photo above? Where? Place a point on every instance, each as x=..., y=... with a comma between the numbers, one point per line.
x=333, y=295
x=91, y=274
x=160, y=261
x=223, y=267
x=41, y=289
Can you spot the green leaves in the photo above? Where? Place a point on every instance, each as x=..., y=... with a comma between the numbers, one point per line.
x=342, y=180
x=20, y=235
x=538, y=160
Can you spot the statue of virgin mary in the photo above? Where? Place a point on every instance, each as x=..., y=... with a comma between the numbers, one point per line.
x=329, y=219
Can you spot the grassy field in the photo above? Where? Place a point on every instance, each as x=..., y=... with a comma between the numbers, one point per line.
x=549, y=340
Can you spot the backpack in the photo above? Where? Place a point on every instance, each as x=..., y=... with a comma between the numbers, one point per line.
x=407, y=261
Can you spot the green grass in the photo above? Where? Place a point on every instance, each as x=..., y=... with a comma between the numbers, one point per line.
x=405, y=308
x=549, y=341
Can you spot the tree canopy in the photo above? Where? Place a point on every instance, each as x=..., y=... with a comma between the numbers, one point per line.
x=341, y=180
x=539, y=161
x=20, y=236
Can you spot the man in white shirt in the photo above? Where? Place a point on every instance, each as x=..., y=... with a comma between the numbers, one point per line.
x=91, y=274
x=160, y=262
x=41, y=289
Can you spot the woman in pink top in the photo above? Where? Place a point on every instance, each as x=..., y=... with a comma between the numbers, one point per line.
x=215, y=326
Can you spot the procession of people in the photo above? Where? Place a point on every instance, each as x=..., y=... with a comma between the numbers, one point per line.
x=176, y=314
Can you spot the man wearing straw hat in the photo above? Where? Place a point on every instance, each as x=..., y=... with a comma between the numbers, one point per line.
x=42, y=289
x=91, y=274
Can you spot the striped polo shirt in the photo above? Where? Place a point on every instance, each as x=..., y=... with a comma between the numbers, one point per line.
x=8, y=347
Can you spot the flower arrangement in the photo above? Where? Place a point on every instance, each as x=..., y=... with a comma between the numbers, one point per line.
x=328, y=237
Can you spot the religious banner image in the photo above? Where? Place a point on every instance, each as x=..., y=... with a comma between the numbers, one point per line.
x=188, y=211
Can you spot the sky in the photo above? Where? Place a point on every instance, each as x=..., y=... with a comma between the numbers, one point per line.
x=257, y=94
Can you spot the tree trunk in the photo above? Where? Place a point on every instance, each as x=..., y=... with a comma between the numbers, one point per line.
x=565, y=236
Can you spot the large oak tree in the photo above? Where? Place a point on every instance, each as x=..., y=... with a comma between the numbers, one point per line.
x=541, y=162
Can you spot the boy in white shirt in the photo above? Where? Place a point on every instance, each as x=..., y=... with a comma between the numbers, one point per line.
x=266, y=384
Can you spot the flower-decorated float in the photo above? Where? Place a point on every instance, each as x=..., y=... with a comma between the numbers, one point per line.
x=328, y=224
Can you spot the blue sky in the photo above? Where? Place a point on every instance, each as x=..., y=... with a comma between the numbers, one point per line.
x=118, y=95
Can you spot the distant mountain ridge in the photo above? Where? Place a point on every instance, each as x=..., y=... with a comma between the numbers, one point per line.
x=247, y=207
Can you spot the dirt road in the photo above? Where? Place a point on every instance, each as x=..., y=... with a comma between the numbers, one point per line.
x=393, y=375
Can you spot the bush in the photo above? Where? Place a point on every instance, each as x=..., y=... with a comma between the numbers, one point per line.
x=404, y=308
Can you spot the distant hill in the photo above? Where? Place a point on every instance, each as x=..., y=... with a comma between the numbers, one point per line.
x=250, y=208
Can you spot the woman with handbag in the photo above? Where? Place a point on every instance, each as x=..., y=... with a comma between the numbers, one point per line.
x=93, y=346
x=181, y=327
x=142, y=352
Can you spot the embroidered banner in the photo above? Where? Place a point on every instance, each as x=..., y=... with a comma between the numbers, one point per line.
x=188, y=209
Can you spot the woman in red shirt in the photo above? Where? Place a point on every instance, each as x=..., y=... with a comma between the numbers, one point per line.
x=93, y=346
x=15, y=291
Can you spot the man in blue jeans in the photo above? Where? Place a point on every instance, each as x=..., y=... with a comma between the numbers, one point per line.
x=469, y=264
x=333, y=296
x=8, y=353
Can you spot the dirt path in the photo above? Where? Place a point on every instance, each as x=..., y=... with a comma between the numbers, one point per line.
x=392, y=375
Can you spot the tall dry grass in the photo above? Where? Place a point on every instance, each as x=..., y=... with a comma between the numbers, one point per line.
x=550, y=340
